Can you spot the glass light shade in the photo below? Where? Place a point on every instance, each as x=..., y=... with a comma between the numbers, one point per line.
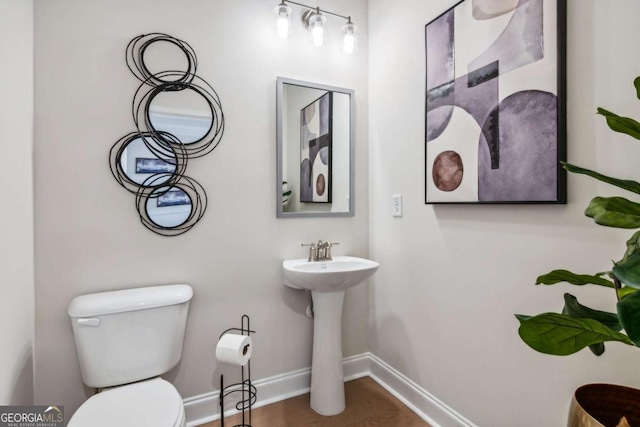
x=283, y=20
x=349, y=40
x=316, y=26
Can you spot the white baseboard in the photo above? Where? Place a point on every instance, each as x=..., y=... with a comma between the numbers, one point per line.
x=419, y=400
x=206, y=407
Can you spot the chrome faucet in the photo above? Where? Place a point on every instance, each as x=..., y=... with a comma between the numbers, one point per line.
x=320, y=251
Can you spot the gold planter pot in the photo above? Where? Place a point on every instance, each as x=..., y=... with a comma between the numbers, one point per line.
x=604, y=405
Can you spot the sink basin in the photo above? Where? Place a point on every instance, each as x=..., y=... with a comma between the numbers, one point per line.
x=327, y=276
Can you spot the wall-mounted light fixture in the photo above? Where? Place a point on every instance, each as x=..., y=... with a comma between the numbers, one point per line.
x=314, y=20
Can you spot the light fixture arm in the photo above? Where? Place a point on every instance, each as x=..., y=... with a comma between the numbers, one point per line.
x=318, y=10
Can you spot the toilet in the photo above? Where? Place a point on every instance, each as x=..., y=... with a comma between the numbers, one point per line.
x=125, y=340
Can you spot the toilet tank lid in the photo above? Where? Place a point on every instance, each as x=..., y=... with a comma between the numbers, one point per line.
x=125, y=300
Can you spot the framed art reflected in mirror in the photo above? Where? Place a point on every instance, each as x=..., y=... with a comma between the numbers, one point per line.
x=314, y=151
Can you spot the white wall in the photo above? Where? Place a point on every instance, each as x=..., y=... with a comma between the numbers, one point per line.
x=88, y=235
x=451, y=277
x=16, y=210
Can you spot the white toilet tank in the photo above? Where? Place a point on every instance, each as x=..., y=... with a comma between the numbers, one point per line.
x=129, y=335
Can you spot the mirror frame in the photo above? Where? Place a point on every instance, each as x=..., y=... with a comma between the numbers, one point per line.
x=280, y=213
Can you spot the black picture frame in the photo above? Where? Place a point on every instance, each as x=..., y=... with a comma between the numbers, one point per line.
x=145, y=165
x=175, y=197
x=502, y=173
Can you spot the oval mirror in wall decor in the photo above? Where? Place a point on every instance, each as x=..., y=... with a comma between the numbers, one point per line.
x=178, y=117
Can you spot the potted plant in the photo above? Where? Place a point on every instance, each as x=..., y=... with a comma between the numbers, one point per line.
x=286, y=194
x=579, y=326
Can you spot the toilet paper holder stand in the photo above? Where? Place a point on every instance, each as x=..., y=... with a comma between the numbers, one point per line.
x=244, y=388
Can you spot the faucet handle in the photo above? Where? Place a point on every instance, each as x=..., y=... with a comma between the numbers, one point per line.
x=328, y=249
x=313, y=251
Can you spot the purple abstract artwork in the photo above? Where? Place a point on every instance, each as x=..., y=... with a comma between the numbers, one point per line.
x=528, y=151
x=448, y=171
x=494, y=116
x=440, y=72
x=315, y=150
x=478, y=100
x=521, y=43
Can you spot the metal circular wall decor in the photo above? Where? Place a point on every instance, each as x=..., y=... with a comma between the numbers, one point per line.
x=212, y=121
x=138, y=48
x=169, y=160
x=186, y=199
x=151, y=162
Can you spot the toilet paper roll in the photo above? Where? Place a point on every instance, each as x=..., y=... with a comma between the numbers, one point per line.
x=234, y=349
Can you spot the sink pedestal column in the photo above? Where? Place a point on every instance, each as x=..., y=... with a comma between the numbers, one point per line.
x=327, y=378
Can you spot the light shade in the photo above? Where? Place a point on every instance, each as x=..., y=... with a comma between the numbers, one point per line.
x=283, y=20
x=316, y=26
x=349, y=40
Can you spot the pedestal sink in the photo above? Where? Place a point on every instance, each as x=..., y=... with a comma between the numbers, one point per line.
x=327, y=281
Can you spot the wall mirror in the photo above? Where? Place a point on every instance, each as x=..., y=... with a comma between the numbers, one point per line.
x=178, y=117
x=314, y=149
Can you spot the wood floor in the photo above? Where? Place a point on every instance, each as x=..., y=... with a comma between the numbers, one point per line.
x=368, y=404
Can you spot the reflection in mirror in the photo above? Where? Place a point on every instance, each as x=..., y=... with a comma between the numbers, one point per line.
x=190, y=113
x=139, y=163
x=184, y=113
x=169, y=207
x=314, y=149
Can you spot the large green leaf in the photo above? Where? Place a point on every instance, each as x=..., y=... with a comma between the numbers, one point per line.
x=614, y=212
x=628, y=185
x=628, y=271
x=621, y=124
x=557, y=276
x=578, y=311
x=597, y=349
x=636, y=83
x=629, y=314
x=561, y=335
x=633, y=245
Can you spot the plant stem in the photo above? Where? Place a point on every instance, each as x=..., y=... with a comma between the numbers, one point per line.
x=618, y=285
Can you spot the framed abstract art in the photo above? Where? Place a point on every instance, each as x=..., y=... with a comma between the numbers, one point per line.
x=315, y=150
x=495, y=118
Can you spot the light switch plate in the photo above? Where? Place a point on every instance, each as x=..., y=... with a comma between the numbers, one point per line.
x=396, y=201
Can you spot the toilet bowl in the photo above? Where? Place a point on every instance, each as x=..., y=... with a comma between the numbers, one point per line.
x=151, y=403
x=125, y=340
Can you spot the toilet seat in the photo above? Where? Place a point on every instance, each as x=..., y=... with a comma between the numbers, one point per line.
x=151, y=403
